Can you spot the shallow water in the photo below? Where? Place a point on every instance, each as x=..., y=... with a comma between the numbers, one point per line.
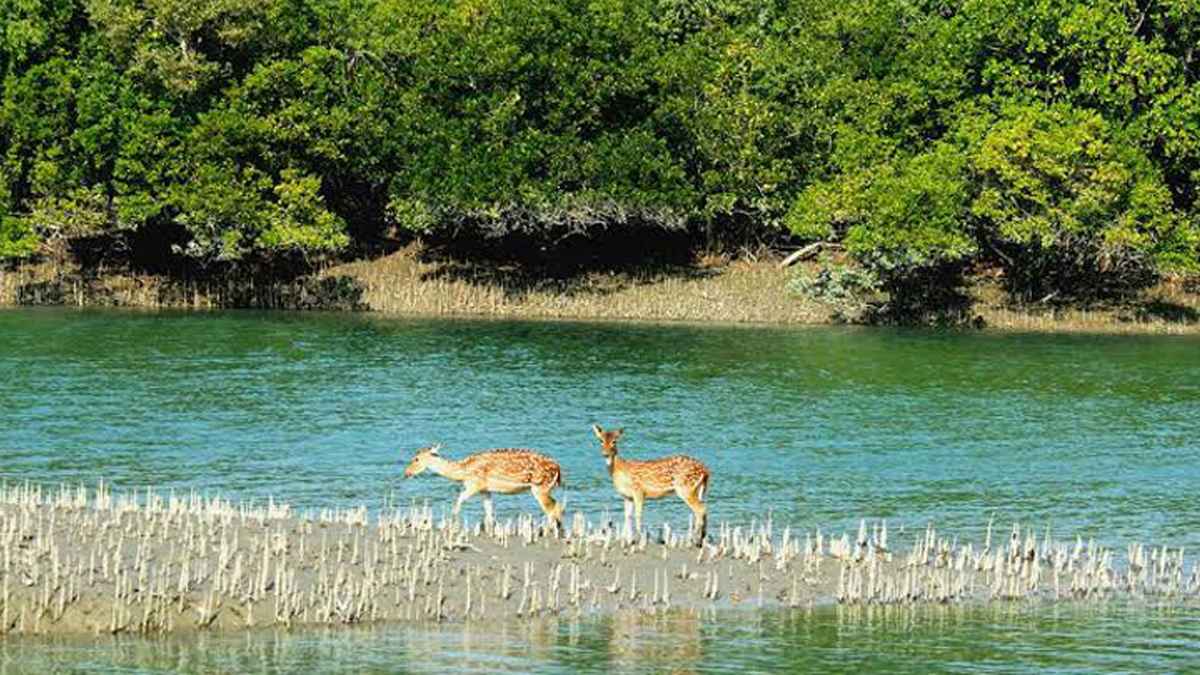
x=1000, y=639
x=1095, y=435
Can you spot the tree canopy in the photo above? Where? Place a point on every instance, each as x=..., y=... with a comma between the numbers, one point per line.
x=1058, y=140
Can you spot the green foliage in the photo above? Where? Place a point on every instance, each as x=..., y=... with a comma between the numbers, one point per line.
x=17, y=238
x=903, y=221
x=1056, y=139
x=1063, y=197
x=848, y=290
x=535, y=116
x=81, y=212
x=299, y=220
x=223, y=209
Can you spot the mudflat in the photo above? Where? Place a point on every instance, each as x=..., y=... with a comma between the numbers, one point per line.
x=79, y=560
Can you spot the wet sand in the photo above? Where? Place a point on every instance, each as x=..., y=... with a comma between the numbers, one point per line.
x=79, y=560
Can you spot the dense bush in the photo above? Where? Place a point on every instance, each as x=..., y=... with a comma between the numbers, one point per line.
x=1056, y=139
x=850, y=292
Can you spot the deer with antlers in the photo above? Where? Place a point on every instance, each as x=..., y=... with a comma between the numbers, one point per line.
x=638, y=481
x=503, y=471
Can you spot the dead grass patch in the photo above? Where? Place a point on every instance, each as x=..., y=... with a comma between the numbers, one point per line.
x=713, y=288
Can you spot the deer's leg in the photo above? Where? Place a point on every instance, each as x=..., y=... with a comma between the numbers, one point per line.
x=489, y=514
x=699, y=511
x=628, y=531
x=468, y=491
x=552, y=509
x=639, y=500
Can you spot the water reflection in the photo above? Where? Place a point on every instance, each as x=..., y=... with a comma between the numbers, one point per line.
x=1004, y=637
x=671, y=640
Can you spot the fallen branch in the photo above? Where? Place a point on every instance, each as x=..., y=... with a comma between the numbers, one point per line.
x=801, y=254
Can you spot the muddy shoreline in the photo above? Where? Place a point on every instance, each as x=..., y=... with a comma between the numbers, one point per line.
x=85, y=561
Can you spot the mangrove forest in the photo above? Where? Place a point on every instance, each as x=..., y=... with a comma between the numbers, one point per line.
x=1055, y=143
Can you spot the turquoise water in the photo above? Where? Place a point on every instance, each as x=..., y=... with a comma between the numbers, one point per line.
x=1095, y=435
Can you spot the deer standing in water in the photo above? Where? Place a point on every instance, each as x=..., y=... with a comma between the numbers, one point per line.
x=638, y=481
x=504, y=471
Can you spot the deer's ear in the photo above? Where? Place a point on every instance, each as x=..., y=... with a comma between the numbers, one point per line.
x=617, y=434
x=598, y=431
x=434, y=450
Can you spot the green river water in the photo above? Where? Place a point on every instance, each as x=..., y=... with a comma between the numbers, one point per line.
x=1089, y=435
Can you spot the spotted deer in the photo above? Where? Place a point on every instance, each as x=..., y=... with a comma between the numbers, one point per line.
x=504, y=471
x=638, y=481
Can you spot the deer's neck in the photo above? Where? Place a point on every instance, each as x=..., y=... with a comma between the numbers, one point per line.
x=448, y=468
x=614, y=464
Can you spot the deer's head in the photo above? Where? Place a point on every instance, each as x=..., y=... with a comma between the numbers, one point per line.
x=420, y=461
x=608, y=440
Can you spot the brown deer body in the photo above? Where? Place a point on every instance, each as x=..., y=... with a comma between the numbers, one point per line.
x=637, y=481
x=503, y=471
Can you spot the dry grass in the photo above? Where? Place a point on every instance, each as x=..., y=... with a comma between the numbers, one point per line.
x=736, y=292
x=1168, y=308
x=50, y=284
x=713, y=289
x=9, y=281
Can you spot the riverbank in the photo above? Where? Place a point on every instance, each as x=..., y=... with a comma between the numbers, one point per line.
x=710, y=290
x=80, y=561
